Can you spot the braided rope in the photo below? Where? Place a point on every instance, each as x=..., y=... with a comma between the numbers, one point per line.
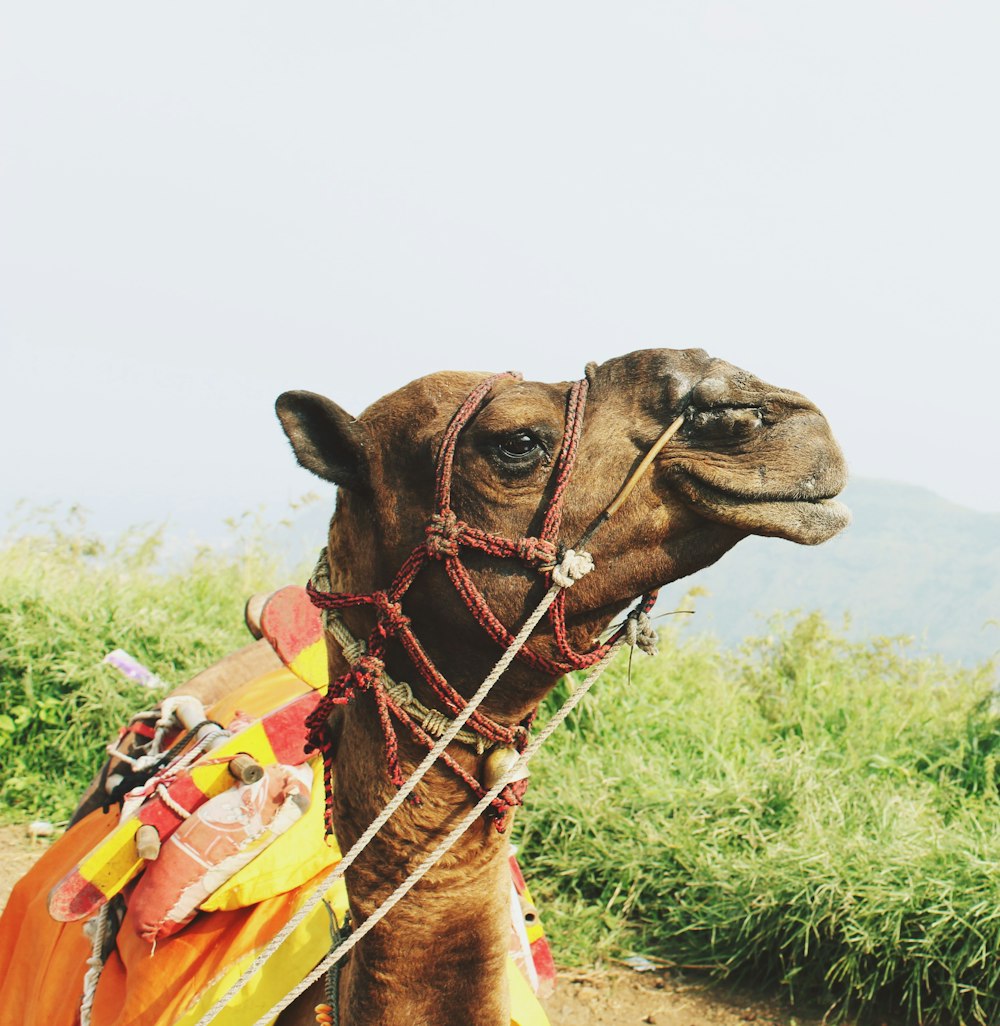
x=445, y=535
x=433, y=721
x=178, y=810
x=566, y=458
x=446, y=454
x=428, y=863
x=337, y=871
x=98, y=930
x=367, y=672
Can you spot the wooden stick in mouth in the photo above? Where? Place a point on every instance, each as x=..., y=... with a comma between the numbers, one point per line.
x=629, y=486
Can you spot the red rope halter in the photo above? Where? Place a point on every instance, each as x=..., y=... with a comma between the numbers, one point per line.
x=446, y=536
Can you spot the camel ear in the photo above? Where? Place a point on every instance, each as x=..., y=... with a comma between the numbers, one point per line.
x=326, y=439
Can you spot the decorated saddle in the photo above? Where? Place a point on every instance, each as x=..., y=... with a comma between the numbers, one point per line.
x=248, y=851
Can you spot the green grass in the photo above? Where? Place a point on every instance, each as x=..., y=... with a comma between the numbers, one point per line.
x=66, y=600
x=808, y=813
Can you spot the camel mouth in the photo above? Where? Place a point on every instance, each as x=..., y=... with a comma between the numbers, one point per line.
x=806, y=521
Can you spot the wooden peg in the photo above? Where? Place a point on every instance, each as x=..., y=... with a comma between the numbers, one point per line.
x=246, y=769
x=147, y=842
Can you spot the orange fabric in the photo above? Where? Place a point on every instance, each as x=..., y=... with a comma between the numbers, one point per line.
x=42, y=962
x=35, y=950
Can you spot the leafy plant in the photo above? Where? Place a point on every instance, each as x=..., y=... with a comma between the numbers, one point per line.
x=66, y=600
x=812, y=813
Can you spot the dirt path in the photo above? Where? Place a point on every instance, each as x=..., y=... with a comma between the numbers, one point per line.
x=595, y=997
x=623, y=997
x=17, y=853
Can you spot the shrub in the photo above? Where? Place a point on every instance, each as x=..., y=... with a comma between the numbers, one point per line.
x=809, y=812
x=66, y=600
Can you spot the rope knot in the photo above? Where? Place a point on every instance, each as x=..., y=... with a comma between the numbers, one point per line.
x=367, y=672
x=392, y=617
x=639, y=633
x=538, y=552
x=435, y=722
x=362, y=676
x=400, y=692
x=573, y=566
x=444, y=532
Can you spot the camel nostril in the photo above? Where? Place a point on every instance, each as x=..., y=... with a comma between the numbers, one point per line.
x=732, y=422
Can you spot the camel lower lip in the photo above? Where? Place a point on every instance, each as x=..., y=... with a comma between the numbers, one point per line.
x=806, y=521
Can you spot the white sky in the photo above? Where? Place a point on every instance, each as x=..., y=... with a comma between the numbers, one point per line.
x=202, y=205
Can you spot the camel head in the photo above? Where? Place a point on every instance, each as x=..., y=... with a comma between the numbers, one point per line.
x=749, y=458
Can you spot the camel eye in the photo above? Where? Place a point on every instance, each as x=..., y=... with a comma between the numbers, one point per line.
x=518, y=447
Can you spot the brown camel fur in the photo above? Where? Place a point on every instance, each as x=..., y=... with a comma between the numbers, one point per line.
x=750, y=459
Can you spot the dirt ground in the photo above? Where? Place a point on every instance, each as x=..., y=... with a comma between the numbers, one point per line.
x=606, y=996
x=622, y=997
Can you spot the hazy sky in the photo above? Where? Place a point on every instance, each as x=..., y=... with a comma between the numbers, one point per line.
x=202, y=205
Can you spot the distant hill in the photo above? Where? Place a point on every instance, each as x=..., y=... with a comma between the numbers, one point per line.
x=910, y=564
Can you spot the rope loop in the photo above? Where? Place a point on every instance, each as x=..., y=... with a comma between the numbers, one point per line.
x=354, y=651
x=400, y=692
x=573, y=566
x=444, y=533
x=435, y=722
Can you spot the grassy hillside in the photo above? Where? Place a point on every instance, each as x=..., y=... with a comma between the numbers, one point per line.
x=811, y=812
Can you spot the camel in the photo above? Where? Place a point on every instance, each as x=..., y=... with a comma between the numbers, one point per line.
x=747, y=458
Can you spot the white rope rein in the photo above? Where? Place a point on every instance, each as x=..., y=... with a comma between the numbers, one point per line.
x=572, y=567
x=643, y=631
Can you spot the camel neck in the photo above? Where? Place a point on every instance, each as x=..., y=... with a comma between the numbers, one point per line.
x=464, y=896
